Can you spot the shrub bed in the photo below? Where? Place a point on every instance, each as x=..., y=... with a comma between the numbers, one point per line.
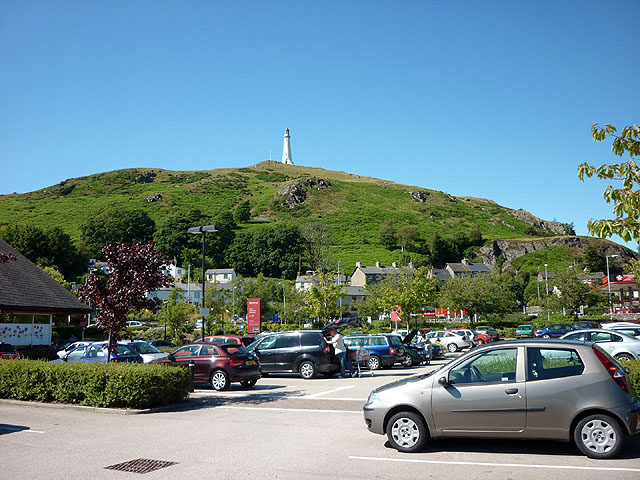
x=634, y=374
x=112, y=385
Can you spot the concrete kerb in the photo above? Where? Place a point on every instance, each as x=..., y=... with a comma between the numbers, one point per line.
x=189, y=404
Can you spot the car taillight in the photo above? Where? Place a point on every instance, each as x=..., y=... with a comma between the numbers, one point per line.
x=327, y=349
x=235, y=362
x=116, y=360
x=464, y=338
x=616, y=373
x=392, y=351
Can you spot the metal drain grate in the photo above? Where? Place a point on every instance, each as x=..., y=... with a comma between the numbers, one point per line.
x=140, y=465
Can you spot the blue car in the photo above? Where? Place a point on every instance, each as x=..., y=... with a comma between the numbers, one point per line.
x=555, y=330
x=97, y=352
x=384, y=349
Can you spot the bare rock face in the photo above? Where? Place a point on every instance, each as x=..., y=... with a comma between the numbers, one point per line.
x=419, y=196
x=147, y=177
x=512, y=249
x=154, y=198
x=295, y=193
x=544, y=225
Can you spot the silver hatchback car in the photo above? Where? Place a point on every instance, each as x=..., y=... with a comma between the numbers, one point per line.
x=542, y=389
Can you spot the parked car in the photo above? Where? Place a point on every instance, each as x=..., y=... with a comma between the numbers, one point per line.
x=303, y=352
x=162, y=343
x=8, y=351
x=631, y=331
x=244, y=340
x=483, y=338
x=218, y=365
x=71, y=346
x=97, y=352
x=552, y=389
x=620, y=346
x=582, y=324
x=555, y=330
x=148, y=352
x=487, y=330
x=134, y=323
x=450, y=340
x=524, y=331
x=415, y=353
x=384, y=349
x=469, y=335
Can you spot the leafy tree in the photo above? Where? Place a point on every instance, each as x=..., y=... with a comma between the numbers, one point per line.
x=117, y=225
x=594, y=259
x=134, y=271
x=406, y=236
x=321, y=302
x=242, y=213
x=172, y=237
x=317, y=241
x=387, y=234
x=625, y=199
x=569, y=292
x=175, y=314
x=57, y=276
x=478, y=294
x=412, y=291
x=438, y=250
x=273, y=251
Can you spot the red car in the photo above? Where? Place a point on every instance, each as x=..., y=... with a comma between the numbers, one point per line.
x=218, y=365
x=235, y=339
x=8, y=351
x=484, y=338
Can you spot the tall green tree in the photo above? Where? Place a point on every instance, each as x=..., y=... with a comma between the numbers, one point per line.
x=387, y=234
x=406, y=236
x=176, y=314
x=172, y=237
x=321, y=302
x=317, y=241
x=242, y=214
x=570, y=293
x=117, y=225
x=478, y=294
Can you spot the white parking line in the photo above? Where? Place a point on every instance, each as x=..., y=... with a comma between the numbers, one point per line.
x=26, y=430
x=271, y=409
x=315, y=395
x=486, y=464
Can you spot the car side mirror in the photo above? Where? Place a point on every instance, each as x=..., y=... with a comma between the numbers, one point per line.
x=172, y=357
x=443, y=381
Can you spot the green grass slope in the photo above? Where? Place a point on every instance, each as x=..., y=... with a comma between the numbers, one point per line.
x=352, y=208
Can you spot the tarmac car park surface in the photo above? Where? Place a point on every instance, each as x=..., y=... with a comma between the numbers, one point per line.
x=285, y=427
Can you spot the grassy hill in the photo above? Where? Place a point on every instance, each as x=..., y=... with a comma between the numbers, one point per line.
x=352, y=207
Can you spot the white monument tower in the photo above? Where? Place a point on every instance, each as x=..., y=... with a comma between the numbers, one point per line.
x=286, y=149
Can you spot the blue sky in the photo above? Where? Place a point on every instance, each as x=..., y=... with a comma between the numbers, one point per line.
x=485, y=99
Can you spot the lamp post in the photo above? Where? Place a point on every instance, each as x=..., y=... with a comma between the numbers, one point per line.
x=609, y=286
x=284, y=304
x=202, y=230
x=339, y=282
x=546, y=286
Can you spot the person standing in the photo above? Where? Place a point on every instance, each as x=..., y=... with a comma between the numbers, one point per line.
x=337, y=340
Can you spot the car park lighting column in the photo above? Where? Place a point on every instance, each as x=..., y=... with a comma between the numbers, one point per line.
x=609, y=285
x=202, y=230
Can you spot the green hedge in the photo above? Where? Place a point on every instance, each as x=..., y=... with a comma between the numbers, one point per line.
x=112, y=385
x=634, y=374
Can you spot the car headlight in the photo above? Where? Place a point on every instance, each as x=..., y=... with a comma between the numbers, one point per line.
x=373, y=397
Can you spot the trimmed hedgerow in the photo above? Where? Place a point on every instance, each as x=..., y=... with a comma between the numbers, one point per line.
x=113, y=385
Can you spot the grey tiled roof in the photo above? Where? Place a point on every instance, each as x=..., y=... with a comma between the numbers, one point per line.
x=24, y=287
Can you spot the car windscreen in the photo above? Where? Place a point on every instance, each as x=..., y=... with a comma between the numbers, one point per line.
x=146, y=348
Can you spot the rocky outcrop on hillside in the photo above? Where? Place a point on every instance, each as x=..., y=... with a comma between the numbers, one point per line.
x=556, y=228
x=420, y=196
x=147, y=177
x=512, y=249
x=295, y=193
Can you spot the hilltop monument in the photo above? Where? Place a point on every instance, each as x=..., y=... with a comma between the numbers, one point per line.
x=286, y=149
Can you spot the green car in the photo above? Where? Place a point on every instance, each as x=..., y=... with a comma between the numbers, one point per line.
x=524, y=331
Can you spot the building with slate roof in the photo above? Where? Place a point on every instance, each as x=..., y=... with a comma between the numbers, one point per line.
x=452, y=270
x=369, y=275
x=30, y=300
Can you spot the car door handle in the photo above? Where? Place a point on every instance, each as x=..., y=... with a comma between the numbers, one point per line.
x=511, y=391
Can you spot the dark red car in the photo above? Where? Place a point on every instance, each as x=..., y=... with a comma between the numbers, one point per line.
x=243, y=340
x=218, y=365
x=8, y=351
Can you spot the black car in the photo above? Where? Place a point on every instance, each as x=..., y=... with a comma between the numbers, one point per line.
x=304, y=352
x=415, y=354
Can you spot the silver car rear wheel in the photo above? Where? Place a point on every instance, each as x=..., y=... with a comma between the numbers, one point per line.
x=406, y=432
x=220, y=380
x=624, y=357
x=598, y=436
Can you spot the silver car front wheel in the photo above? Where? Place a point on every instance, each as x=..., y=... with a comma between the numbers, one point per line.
x=452, y=347
x=406, y=432
x=220, y=380
x=598, y=436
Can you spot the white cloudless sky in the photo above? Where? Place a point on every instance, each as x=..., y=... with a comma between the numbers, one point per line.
x=489, y=99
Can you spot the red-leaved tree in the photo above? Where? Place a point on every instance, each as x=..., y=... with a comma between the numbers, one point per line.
x=134, y=271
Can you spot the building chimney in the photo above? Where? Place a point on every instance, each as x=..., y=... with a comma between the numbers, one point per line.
x=394, y=264
x=358, y=264
x=465, y=261
x=378, y=263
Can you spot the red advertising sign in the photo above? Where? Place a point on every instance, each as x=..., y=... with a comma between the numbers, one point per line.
x=254, y=315
x=395, y=317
